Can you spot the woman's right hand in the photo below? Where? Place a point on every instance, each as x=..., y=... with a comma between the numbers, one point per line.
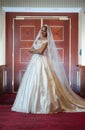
x=31, y=50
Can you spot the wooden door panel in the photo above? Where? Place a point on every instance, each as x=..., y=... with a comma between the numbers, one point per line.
x=24, y=35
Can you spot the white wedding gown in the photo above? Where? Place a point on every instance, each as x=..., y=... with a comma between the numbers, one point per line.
x=40, y=90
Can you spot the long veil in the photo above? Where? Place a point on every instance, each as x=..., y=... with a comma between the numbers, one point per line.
x=58, y=67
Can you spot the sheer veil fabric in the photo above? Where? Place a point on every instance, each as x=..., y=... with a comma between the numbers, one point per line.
x=44, y=87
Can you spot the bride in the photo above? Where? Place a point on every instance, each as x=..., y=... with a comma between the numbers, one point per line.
x=44, y=87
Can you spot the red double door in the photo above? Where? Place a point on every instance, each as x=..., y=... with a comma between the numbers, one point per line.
x=24, y=32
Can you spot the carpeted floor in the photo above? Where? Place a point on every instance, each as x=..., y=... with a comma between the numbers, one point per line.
x=21, y=121
x=7, y=98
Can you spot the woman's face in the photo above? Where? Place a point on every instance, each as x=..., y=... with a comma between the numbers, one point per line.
x=44, y=31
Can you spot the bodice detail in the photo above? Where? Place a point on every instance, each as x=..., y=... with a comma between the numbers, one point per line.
x=39, y=43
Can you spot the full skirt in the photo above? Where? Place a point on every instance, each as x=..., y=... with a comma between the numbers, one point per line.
x=40, y=90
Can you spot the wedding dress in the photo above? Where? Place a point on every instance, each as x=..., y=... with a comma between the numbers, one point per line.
x=41, y=89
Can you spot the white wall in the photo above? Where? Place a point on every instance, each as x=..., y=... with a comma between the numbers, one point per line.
x=54, y=6
x=43, y=3
x=81, y=37
x=2, y=38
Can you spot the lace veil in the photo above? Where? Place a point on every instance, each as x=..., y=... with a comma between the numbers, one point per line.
x=54, y=57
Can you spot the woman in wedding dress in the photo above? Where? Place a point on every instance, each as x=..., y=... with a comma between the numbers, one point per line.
x=44, y=87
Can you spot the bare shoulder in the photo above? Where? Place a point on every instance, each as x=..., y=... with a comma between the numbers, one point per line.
x=45, y=42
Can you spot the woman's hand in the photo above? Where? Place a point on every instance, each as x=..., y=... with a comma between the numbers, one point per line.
x=31, y=50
